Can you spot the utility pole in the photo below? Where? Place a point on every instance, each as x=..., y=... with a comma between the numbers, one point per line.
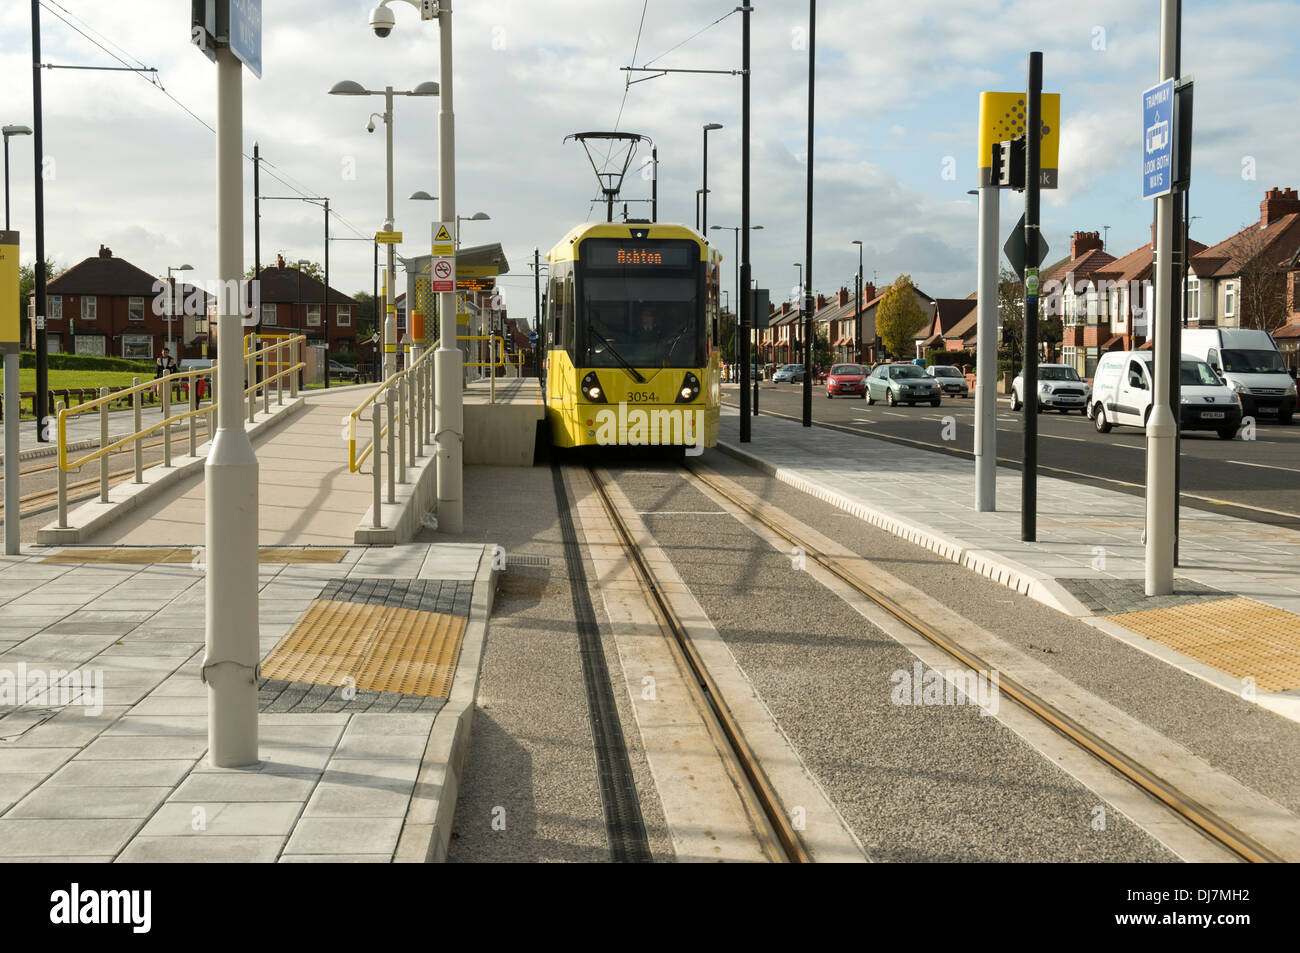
x=40, y=402
x=325, y=304
x=986, y=348
x=745, y=304
x=537, y=311
x=1162, y=428
x=257, y=216
x=807, y=272
x=1029, y=375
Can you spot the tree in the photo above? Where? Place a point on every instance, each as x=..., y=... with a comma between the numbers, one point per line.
x=727, y=337
x=311, y=269
x=1261, y=288
x=27, y=287
x=899, y=316
x=365, y=314
x=822, y=348
x=1011, y=315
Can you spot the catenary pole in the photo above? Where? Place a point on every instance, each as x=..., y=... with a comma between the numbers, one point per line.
x=808, y=237
x=745, y=301
x=231, y=630
x=39, y=403
x=986, y=352
x=1029, y=378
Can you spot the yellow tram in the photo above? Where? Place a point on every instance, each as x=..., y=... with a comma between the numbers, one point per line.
x=629, y=334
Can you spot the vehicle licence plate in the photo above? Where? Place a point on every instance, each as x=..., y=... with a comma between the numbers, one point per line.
x=1212, y=415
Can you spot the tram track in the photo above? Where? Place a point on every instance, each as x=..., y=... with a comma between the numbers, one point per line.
x=1207, y=821
x=754, y=786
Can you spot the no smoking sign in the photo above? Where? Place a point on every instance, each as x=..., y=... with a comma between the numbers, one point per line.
x=444, y=274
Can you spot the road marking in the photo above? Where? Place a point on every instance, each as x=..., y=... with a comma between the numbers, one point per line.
x=1264, y=466
x=890, y=413
x=1057, y=436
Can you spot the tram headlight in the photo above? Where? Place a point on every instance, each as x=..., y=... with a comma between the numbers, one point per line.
x=591, y=389
x=690, y=388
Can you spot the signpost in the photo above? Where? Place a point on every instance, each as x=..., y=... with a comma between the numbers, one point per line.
x=1015, y=247
x=9, y=343
x=1158, y=140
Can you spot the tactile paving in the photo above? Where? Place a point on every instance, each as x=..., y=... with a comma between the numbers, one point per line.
x=400, y=636
x=1240, y=636
x=150, y=555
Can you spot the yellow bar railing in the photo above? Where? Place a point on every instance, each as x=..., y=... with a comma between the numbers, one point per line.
x=165, y=386
x=355, y=459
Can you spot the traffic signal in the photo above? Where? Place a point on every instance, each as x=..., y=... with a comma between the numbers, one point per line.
x=1008, y=169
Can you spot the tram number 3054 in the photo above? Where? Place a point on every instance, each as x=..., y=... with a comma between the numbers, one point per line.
x=641, y=398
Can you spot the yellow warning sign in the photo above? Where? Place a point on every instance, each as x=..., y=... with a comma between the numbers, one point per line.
x=9, y=283
x=1002, y=117
x=444, y=246
x=388, y=238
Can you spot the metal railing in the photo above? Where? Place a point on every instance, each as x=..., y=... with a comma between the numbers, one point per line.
x=192, y=381
x=408, y=396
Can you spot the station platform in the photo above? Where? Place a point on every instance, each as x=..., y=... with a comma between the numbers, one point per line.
x=1233, y=621
x=501, y=428
x=103, y=755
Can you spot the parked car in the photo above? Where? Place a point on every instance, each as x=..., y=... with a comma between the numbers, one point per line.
x=846, y=380
x=342, y=370
x=791, y=373
x=1249, y=362
x=1124, y=383
x=951, y=380
x=1059, y=388
x=902, y=383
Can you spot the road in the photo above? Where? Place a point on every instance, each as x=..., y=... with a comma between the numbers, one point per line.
x=1252, y=479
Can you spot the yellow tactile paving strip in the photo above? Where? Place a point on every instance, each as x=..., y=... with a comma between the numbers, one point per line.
x=1242, y=637
x=383, y=648
x=144, y=556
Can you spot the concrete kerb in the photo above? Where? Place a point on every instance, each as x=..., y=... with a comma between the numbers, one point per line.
x=1007, y=572
x=90, y=518
x=35, y=453
x=426, y=831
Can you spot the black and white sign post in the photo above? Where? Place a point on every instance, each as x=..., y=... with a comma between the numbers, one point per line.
x=229, y=31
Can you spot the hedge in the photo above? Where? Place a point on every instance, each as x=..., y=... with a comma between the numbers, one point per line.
x=86, y=362
x=954, y=358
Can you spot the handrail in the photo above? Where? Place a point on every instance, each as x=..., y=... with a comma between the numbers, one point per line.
x=354, y=459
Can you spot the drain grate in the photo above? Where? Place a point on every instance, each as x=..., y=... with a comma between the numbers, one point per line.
x=520, y=561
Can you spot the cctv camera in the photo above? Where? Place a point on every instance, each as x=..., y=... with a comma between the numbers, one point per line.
x=370, y=126
x=382, y=21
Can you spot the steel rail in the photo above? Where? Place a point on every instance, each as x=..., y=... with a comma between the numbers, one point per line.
x=1208, y=821
x=766, y=802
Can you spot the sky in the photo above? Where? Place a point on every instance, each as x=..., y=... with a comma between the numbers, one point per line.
x=897, y=92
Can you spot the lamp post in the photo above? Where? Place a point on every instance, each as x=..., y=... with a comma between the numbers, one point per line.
x=11, y=131
x=449, y=411
x=857, y=307
x=476, y=217
x=349, y=88
x=171, y=309
x=708, y=127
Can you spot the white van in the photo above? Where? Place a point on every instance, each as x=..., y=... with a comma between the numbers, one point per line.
x=1248, y=361
x=1123, y=383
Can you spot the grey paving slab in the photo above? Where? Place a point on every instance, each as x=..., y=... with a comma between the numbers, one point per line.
x=15, y=785
x=144, y=748
x=196, y=850
x=36, y=838
x=160, y=773
x=385, y=747
x=87, y=801
x=245, y=786
x=340, y=835
x=373, y=799
x=26, y=760
x=223, y=819
x=333, y=858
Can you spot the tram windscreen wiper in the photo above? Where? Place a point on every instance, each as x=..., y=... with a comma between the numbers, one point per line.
x=591, y=329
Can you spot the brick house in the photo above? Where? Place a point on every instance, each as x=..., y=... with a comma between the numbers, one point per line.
x=953, y=326
x=291, y=303
x=108, y=307
x=1243, y=280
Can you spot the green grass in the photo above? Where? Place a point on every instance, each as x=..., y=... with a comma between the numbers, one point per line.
x=59, y=380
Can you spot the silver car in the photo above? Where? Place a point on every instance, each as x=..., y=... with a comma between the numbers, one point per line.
x=951, y=380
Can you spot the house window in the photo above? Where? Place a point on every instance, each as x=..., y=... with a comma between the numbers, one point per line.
x=343, y=315
x=137, y=347
x=89, y=344
x=1092, y=307
x=1229, y=299
x=135, y=309
x=268, y=314
x=53, y=344
x=88, y=306
x=1069, y=355
x=1193, y=299
x=313, y=315
x=1090, y=359
x=55, y=303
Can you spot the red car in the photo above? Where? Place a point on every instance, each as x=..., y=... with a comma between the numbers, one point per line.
x=846, y=380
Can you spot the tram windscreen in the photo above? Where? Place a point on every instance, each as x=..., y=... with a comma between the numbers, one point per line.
x=642, y=314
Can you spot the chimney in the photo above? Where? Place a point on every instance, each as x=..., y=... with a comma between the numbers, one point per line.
x=1277, y=202
x=279, y=261
x=105, y=251
x=1084, y=242
x=843, y=298
x=821, y=301
x=868, y=291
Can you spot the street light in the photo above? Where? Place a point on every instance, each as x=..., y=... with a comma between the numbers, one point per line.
x=348, y=87
x=11, y=131
x=857, y=306
x=708, y=127
x=476, y=217
x=172, y=309
x=422, y=196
